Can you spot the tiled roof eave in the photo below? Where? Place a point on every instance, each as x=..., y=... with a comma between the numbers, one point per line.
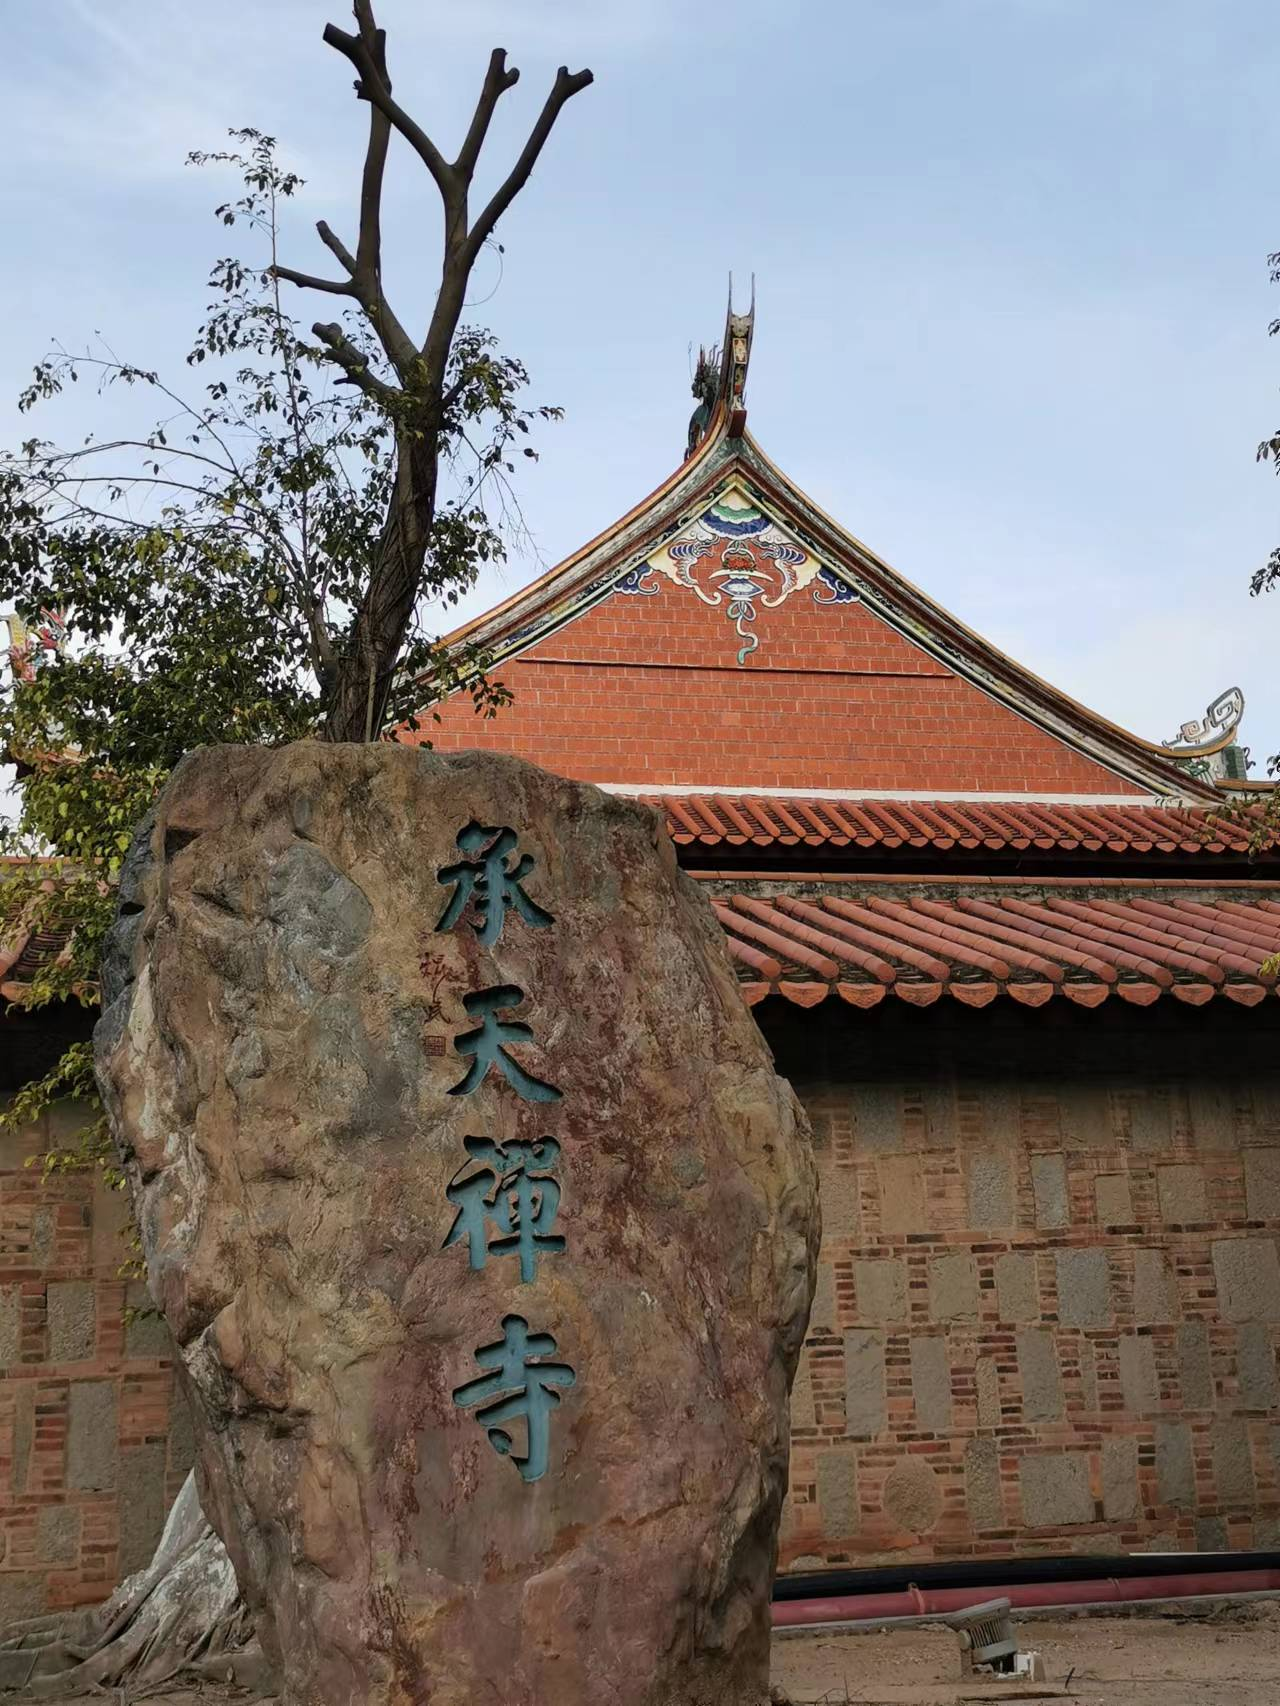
x=999, y=946
x=1159, y=833
x=977, y=942
x=1028, y=992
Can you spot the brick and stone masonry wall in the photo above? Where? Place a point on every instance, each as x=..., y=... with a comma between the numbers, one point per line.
x=1049, y=1294
x=94, y=1442
x=1046, y=1320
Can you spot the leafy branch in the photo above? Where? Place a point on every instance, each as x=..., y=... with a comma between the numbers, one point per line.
x=257, y=564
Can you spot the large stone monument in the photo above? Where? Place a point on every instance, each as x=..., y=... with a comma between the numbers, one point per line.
x=483, y=1225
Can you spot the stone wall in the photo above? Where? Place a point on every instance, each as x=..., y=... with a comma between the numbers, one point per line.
x=1047, y=1311
x=93, y=1442
x=1049, y=1293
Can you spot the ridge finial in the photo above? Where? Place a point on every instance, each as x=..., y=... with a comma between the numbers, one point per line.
x=720, y=376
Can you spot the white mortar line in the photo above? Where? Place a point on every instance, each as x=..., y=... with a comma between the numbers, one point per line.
x=959, y=795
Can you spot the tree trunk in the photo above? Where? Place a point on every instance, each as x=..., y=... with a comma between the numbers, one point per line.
x=182, y=1615
x=364, y=678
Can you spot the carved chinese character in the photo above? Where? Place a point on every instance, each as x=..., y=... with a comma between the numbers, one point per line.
x=529, y=1387
x=515, y=1197
x=484, y=1045
x=488, y=883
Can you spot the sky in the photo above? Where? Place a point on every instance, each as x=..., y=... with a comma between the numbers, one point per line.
x=1009, y=261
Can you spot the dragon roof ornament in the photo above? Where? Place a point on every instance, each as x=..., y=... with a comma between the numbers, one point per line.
x=720, y=376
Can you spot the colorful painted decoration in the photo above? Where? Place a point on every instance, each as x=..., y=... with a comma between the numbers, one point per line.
x=27, y=644
x=633, y=580
x=834, y=589
x=736, y=557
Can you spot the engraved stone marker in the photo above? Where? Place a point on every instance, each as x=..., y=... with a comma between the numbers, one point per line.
x=482, y=1222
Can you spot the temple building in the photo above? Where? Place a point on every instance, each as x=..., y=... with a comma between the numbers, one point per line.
x=1011, y=957
x=1014, y=960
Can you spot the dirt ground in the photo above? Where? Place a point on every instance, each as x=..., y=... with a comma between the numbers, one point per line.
x=1225, y=1657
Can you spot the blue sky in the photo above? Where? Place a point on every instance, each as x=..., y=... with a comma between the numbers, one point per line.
x=1009, y=258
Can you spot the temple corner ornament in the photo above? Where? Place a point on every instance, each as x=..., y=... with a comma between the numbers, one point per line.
x=1204, y=743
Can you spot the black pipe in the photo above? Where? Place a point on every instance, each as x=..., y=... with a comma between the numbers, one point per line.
x=979, y=1572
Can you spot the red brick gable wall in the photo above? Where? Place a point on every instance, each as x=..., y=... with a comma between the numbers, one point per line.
x=646, y=688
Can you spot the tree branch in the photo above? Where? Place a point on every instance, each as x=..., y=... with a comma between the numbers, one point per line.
x=383, y=615
x=368, y=53
x=450, y=397
x=308, y=281
x=114, y=368
x=459, y=257
x=564, y=88
x=367, y=271
x=321, y=645
x=371, y=86
x=354, y=362
x=336, y=246
x=497, y=80
x=368, y=267
x=65, y=461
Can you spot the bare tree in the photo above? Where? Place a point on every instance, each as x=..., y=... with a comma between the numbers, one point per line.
x=183, y=1613
x=420, y=400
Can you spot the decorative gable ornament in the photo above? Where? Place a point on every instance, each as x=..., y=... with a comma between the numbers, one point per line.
x=736, y=557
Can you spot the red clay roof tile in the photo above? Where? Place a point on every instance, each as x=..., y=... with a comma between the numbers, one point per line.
x=711, y=820
x=1084, y=949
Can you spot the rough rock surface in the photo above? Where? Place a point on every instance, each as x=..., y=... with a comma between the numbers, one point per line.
x=292, y=1077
